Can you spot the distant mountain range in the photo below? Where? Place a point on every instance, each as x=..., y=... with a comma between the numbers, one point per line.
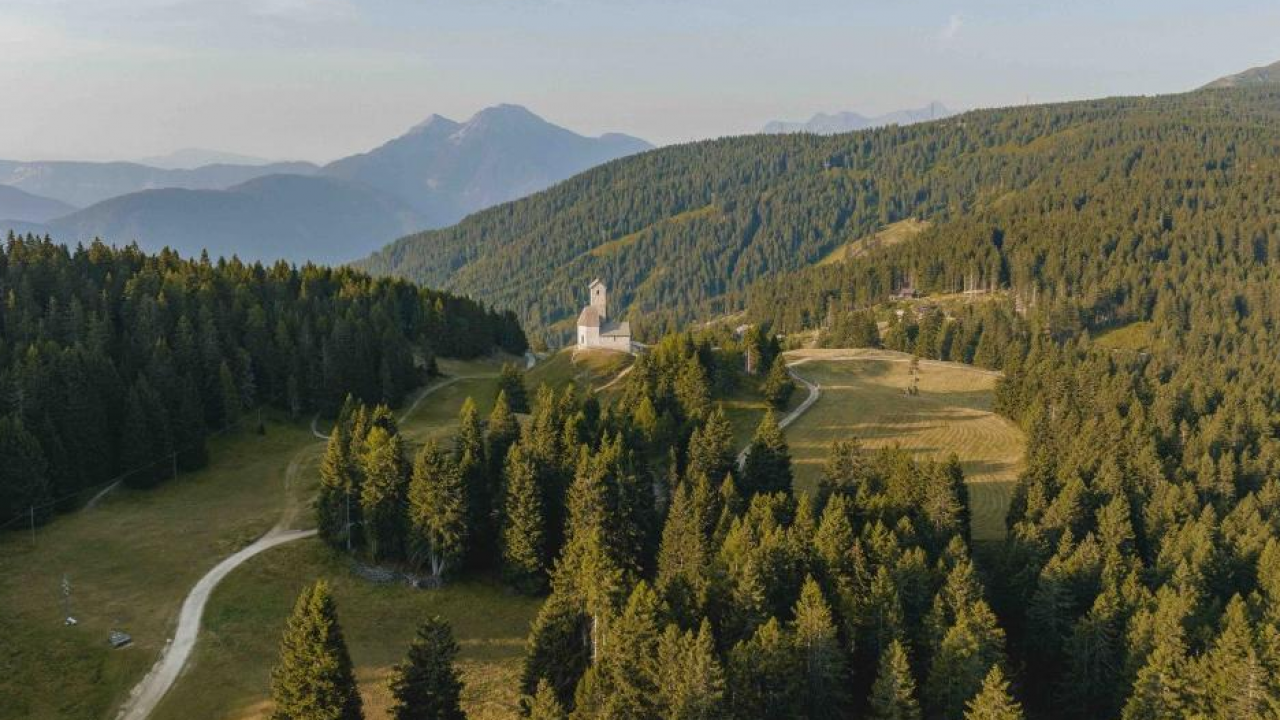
x=843, y=122
x=432, y=176
x=192, y=158
x=84, y=183
x=448, y=170
x=1265, y=75
x=295, y=217
x=17, y=204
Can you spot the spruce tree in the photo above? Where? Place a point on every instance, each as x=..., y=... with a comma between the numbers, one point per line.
x=511, y=384
x=382, y=494
x=711, y=452
x=768, y=465
x=691, y=682
x=765, y=675
x=334, y=502
x=622, y=681
x=524, y=550
x=824, y=672
x=993, y=701
x=437, y=511
x=893, y=695
x=426, y=686
x=778, y=387
x=502, y=430
x=313, y=679
x=683, y=577
x=543, y=704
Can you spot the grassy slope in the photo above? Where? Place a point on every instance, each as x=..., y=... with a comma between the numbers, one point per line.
x=130, y=561
x=587, y=368
x=864, y=399
x=230, y=675
x=133, y=559
x=892, y=234
x=1135, y=337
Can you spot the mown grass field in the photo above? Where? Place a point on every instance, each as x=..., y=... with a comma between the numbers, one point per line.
x=230, y=671
x=1135, y=337
x=130, y=561
x=863, y=397
x=587, y=369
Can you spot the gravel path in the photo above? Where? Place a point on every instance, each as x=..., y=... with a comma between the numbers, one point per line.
x=148, y=693
x=814, y=393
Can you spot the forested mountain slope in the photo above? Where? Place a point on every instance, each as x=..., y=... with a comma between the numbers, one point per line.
x=680, y=233
x=113, y=361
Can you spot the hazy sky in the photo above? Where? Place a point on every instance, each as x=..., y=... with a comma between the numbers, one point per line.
x=318, y=79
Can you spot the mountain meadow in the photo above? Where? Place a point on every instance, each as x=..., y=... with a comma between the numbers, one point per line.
x=975, y=418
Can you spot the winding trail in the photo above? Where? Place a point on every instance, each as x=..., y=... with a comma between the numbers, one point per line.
x=815, y=391
x=146, y=695
x=151, y=689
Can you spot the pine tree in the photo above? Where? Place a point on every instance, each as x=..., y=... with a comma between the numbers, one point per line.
x=502, y=430
x=313, y=679
x=524, y=552
x=334, y=502
x=824, y=676
x=382, y=493
x=23, y=482
x=778, y=387
x=893, y=696
x=228, y=395
x=768, y=465
x=683, y=578
x=765, y=675
x=437, y=510
x=1163, y=688
x=967, y=650
x=693, y=389
x=480, y=487
x=622, y=682
x=993, y=701
x=426, y=686
x=711, y=451
x=511, y=384
x=691, y=683
x=543, y=704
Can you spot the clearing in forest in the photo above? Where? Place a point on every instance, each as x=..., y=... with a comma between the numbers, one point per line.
x=132, y=560
x=863, y=397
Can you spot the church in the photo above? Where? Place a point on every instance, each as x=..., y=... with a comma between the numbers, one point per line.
x=595, y=330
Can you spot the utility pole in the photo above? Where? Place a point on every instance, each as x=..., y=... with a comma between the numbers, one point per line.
x=33, y=526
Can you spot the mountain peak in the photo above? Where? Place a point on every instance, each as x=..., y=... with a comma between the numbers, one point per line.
x=433, y=123
x=1263, y=75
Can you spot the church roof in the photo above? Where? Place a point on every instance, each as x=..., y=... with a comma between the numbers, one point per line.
x=622, y=329
x=589, y=317
x=595, y=282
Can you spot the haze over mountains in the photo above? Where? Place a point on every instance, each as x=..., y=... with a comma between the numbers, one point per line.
x=433, y=175
x=842, y=122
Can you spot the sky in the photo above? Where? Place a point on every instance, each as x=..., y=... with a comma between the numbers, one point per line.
x=320, y=79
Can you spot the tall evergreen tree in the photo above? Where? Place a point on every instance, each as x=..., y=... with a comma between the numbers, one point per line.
x=691, y=683
x=382, y=493
x=543, y=704
x=993, y=701
x=426, y=686
x=893, y=694
x=524, y=550
x=768, y=465
x=711, y=452
x=778, y=387
x=313, y=679
x=511, y=384
x=437, y=510
x=824, y=677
